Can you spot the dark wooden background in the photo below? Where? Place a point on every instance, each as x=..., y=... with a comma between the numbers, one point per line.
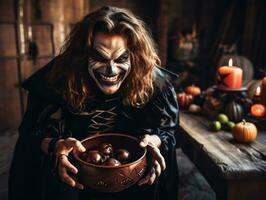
x=240, y=22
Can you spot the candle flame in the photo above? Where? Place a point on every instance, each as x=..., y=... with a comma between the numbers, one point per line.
x=230, y=63
x=30, y=33
x=258, y=90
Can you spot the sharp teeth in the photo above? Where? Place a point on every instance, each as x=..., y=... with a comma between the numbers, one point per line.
x=109, y=78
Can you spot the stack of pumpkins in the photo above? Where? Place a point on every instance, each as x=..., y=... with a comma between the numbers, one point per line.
x=186, y=98
x=196, y=101
x=233, y=105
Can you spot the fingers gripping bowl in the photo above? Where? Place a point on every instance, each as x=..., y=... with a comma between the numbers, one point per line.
x=114, y=178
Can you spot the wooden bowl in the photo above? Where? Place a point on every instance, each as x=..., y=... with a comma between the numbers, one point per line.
x=112, y=178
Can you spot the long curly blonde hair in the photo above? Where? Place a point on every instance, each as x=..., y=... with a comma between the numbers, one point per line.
x=69, y=75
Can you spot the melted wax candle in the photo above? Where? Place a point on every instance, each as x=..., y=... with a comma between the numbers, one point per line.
x=230, y=77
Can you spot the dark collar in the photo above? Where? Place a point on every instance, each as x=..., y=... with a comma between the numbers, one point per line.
x=37, y=85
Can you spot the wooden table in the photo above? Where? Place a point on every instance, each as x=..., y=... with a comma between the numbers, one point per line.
x=234, y=170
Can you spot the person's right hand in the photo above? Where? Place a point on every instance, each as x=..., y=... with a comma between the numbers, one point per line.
x=62, y=149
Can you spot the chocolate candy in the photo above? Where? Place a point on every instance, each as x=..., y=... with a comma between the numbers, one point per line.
x=92, y=156
x=112, y=162
x=105, y=155
x=122, y=155
x=106, y=148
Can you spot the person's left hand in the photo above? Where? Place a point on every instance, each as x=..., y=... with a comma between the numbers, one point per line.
x=153, y=142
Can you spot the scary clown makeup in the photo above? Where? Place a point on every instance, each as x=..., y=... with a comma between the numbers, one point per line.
x=109, y=63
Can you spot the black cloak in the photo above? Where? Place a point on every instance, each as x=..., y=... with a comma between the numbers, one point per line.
x=48, y=115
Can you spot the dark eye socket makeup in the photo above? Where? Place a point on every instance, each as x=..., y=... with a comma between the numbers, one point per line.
x=123, y=58
x=98, y=57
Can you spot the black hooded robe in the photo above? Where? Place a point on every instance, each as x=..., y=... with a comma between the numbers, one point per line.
x=31, y=173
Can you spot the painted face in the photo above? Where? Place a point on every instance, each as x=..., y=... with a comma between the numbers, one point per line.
x=109, y=63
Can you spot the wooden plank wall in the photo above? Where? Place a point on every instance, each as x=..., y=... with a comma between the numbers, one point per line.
x=9, y=96
x=49, y=28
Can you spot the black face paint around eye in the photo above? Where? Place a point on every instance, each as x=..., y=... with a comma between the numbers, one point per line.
x=123, y=58
x=97, y=56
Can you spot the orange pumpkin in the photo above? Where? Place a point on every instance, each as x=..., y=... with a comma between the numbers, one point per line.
x=193, y=90
x=245, y=132
x=184, y=100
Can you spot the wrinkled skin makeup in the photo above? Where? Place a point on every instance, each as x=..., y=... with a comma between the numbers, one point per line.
x=109, y=63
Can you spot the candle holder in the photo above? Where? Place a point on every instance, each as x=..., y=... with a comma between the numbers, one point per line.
x=236, y=96
x=231, y=94
x=257, y=95
x=256, y=99
x=242, y=89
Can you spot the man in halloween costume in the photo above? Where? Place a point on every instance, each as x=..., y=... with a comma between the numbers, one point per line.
x=106, y=79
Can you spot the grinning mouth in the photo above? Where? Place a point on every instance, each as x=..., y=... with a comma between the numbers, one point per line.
x=108, y=79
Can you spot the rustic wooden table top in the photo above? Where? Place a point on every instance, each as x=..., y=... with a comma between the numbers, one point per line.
x=232, y=159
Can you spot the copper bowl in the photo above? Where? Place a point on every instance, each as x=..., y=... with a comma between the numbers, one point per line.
x=112, y=178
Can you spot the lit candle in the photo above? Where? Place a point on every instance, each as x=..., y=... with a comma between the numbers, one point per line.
x=230, y=77
x=256, y=96
x=30, y=33
x=263, y=91
x=258, y=110
x=257, y=92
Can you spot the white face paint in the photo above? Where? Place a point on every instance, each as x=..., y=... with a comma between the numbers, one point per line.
x=109, y=63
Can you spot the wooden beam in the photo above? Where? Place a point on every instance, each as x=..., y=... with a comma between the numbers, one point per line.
x=162, y=30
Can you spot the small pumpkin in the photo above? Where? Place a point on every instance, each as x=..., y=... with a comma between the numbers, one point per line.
x=193, y=90
x=184, y=100
x=245, y=132
x=234, y=111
